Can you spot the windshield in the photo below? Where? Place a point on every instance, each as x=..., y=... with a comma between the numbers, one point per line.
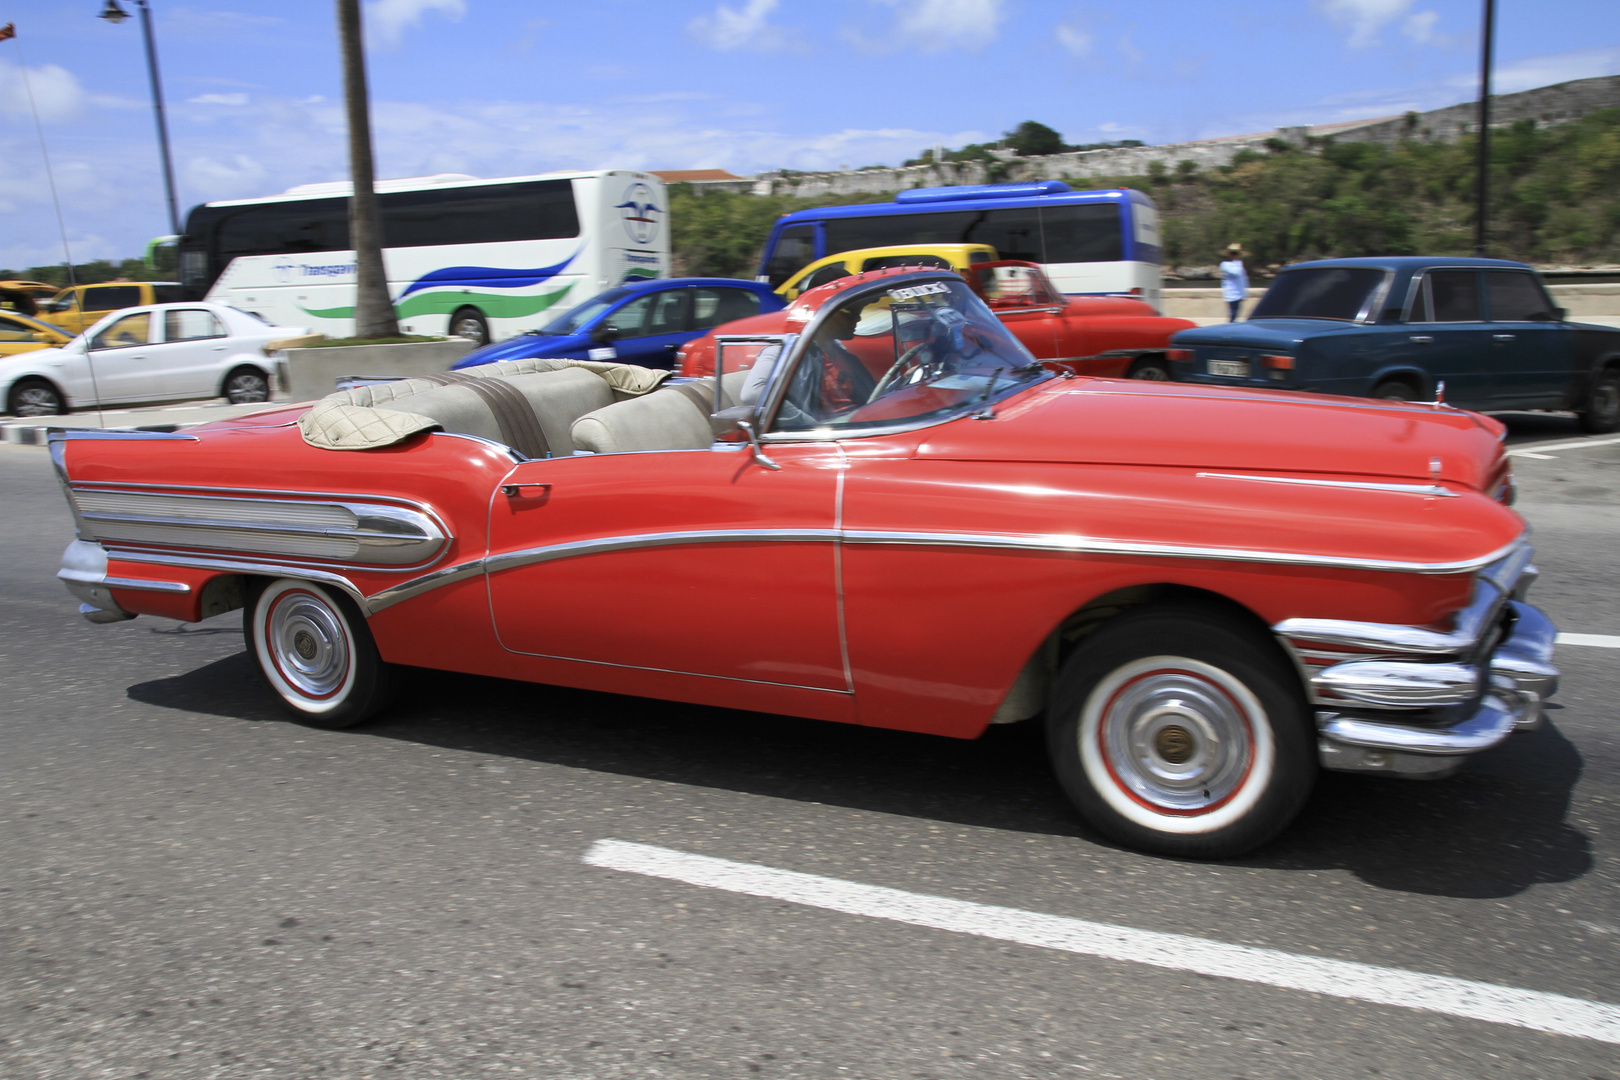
x=570, y=322
x=916, y=351
x=1329, y=292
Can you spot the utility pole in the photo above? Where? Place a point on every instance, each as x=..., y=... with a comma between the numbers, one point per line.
x=373, y=310
x=1482, y=184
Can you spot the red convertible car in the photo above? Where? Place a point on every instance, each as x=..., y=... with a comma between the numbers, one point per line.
x=1209, y=594
x=1111, y=336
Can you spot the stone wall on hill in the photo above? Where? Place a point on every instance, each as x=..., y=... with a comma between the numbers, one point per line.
x=1545, y=105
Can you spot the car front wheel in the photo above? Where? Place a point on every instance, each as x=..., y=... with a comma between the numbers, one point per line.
x=34, y=397
x=1395, y=390
x=1177, y=730
x=1600, y=412
x=314, y=650
x=1151, y=368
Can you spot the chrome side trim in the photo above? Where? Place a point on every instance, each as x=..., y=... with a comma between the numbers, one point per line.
x=144, y=585
x=63, y=434
x=359, y=532
x=673, y=671
x=407, y=590
x=1498, y=574
x=1432, y=490
x=249, y=566
x=494, y=564
x=1084, y=545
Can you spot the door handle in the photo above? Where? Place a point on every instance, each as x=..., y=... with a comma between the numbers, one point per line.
x=221, y=348
x=1421, y=339
x=515, y=491
x=1502, y=337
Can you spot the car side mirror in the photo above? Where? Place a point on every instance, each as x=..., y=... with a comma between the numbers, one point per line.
x=736, y=424
x=606, y=333
x=727, y=423
x=1560, y=314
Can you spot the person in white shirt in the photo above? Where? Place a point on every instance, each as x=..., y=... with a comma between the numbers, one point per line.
x=1234, y=280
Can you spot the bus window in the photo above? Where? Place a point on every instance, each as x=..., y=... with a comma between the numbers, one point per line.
x=493, y=213
x=1014, y=233
x=1081, y=233
x=795, y=249
x=888, y=230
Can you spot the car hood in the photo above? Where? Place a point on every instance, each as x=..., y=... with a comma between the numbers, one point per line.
x=32, y=357
x=524, y=346
x=1126, y=422
x=1263, y=333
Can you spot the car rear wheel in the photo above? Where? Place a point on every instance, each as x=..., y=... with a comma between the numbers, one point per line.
x=245, y=385
x=314, y=650
x=1151, y=368
x=34, y=397
x=1395, y=390
x=1175, y=729
x=469, y=323
x=1600, y=412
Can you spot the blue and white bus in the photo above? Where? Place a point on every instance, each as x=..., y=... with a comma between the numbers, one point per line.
x=1091, y=242
x=483, y=259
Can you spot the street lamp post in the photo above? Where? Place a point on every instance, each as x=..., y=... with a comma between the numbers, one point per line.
x=115, y=14
x=1483, y=165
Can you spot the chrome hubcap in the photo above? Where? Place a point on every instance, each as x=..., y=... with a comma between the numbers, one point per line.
x=1153, y=374
x=308, y=645
x=1176, y=740
x=247, y=388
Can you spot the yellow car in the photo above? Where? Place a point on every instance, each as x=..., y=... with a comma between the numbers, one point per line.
x=25, y=296
x=75, y=308
x=20, y=334
x=832, y=267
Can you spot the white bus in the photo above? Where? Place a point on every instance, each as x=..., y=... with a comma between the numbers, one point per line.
x=483, y=259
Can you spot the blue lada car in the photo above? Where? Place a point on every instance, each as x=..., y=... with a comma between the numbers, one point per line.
x=639, y=322
x=1398, y=328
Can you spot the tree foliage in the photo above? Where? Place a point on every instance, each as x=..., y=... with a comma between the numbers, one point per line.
x=721, y=234
x=88, y=273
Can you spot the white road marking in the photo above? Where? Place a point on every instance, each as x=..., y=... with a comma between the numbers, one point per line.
x=1601, y=641
x=1539, y=457
x=1540, y=449
x=1337, y=978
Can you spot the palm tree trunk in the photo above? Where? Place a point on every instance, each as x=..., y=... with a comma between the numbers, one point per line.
x=373, y=310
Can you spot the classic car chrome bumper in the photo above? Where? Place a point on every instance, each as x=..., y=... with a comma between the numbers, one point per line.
x=1414, y=702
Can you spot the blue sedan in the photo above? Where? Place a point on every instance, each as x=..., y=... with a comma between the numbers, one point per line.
x=1398, y=328
x=636, y=323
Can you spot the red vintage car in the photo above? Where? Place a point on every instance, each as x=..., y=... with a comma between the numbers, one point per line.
x=1109, y=336
x=1209, y=594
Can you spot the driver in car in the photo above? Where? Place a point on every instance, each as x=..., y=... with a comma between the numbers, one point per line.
x=829, y=381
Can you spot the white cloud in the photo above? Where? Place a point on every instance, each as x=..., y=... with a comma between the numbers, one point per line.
x=937, y=25
x=218, y=99
x=239, y=177
x=57, y=92
x=1363, y=18
x=1075, y=41
x=389, y=19
x=739, y=28
x=1420, y=27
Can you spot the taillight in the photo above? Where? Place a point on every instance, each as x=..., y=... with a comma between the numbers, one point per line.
x=1178, y=355
x=1282, y=363
x=1137, y=291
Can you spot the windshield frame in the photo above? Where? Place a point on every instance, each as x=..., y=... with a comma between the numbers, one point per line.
x=1371, y=306
x=770, y=401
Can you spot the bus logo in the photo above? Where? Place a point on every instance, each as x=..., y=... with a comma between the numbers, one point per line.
x=284, y=270
x=637, y=210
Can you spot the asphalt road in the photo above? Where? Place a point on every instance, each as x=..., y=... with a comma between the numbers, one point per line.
x=193, y=886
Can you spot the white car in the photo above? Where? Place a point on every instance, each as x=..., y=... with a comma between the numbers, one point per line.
x=159, y=352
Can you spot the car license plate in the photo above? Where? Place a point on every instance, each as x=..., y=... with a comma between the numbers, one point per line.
x=1236, y=368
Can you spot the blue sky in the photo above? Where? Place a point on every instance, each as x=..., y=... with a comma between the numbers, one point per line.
x=509, y=87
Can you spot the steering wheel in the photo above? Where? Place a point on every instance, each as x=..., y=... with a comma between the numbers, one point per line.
x=901, y=368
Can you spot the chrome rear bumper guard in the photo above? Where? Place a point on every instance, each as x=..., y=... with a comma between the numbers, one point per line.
x=1472, y=706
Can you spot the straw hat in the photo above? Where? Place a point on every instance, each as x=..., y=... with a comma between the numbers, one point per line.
x=1235, y=249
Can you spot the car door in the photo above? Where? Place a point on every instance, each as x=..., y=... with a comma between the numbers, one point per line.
x=687, y=562
x=1029, y=308
x=651, y=327
x=191, y=357
x=1445, y=335
x=122, y=366
x=1532, y=350
x=101, y=300
x=715, y=305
